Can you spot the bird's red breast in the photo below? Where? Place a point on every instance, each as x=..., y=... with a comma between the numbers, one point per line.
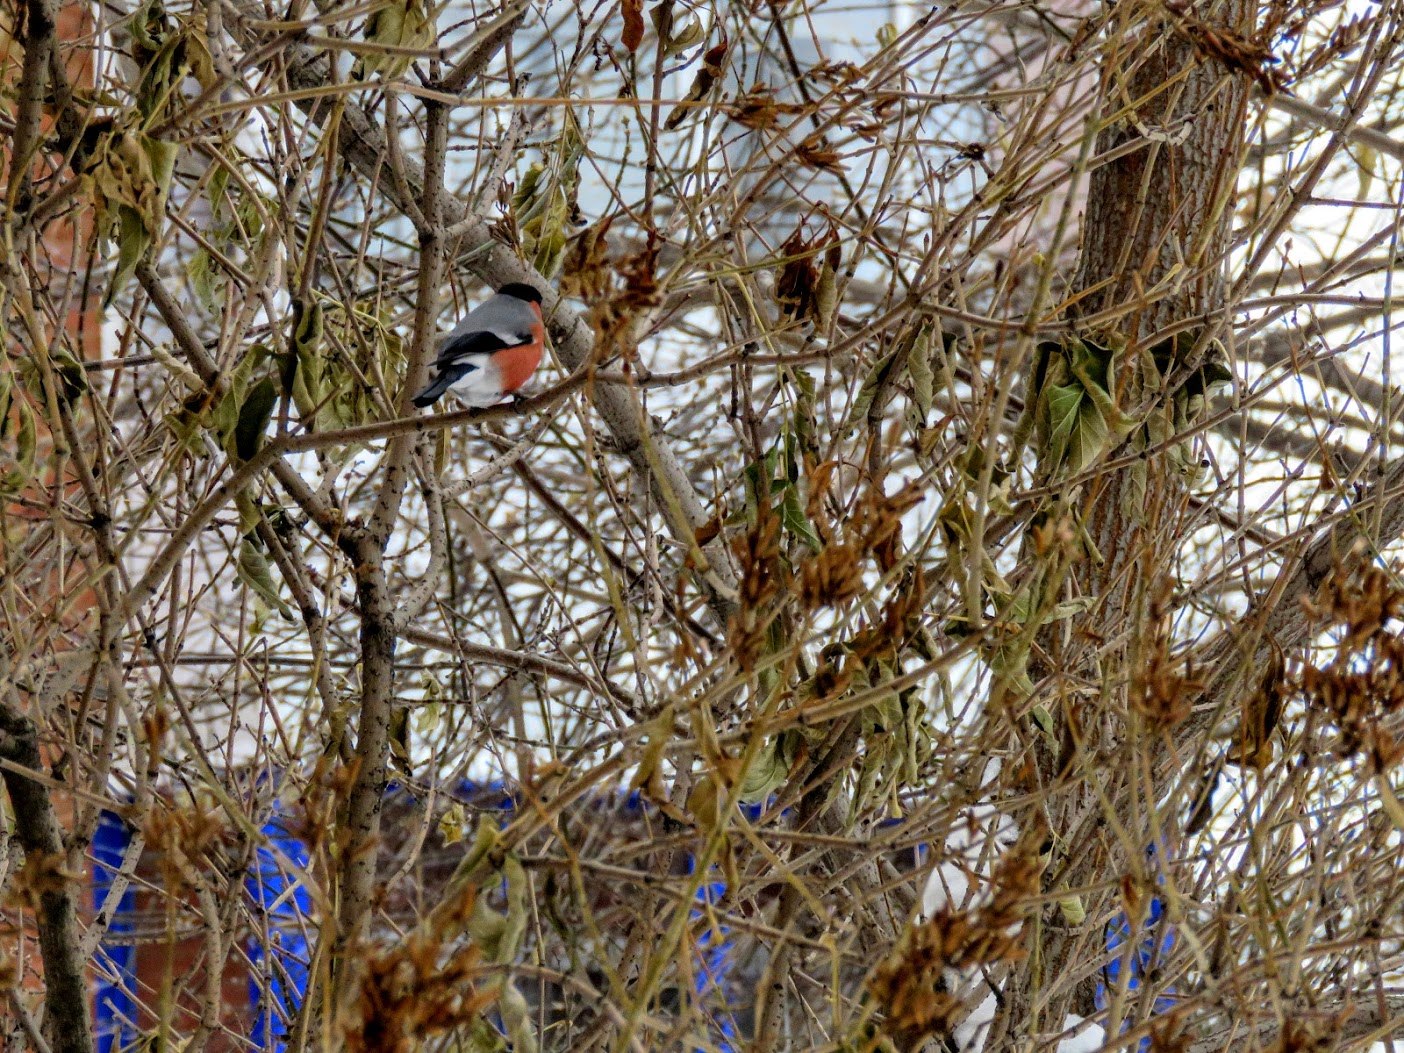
x=515, y=365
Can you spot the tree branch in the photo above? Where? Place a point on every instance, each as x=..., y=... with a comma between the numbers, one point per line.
x=376, y=604
x=1353, y=537
x=485, y=43
x=1343, y=1021
x=1327, y=121
x=65, y=991
x=1285, y=346
x=40, y=37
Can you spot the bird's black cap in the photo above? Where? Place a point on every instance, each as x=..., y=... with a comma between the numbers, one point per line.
x=521, y=291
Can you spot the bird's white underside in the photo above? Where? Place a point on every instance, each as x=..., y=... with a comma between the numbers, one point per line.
x=482, y=386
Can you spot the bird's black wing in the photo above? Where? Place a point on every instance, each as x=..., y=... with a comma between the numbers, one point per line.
x=481, y=342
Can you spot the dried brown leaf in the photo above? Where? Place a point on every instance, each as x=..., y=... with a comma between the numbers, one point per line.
x=632, y=10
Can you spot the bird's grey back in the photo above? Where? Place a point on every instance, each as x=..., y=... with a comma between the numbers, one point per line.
x=504, y=316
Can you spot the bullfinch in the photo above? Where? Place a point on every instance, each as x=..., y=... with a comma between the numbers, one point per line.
x=492, y=352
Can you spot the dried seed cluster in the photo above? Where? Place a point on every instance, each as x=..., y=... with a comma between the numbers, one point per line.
x=1163, y=690
x=1362, y=688
x=414, y=990
x=911, y=984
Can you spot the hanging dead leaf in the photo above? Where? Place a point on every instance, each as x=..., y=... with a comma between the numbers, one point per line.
x=584, y=271
x=816, y=153
x=713, y=65
x=674, y=39
x=632, y=10
x=797, y=284
x=648, y=779
x=1259, y=717
x=397, y=24
x=826, y=294
x=709, y=530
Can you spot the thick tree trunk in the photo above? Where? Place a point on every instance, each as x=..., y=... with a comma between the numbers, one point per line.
x=1155, y=241
x=37, y=827
x=1158, y=219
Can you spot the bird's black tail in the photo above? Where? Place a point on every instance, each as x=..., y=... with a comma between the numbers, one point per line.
x=433, y=392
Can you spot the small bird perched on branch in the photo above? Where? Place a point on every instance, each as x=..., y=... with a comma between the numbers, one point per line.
x=492, y=352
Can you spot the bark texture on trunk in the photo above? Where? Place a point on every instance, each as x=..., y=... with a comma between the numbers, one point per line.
x=1158, y=220
x=66, y=1023
x=1156, y=236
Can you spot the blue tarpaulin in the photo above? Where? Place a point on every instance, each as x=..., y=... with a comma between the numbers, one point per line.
x=114, y=964
x=1142, y=952
x=280, y=951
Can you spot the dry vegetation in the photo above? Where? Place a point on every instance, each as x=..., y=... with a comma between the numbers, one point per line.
x=962, y=419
